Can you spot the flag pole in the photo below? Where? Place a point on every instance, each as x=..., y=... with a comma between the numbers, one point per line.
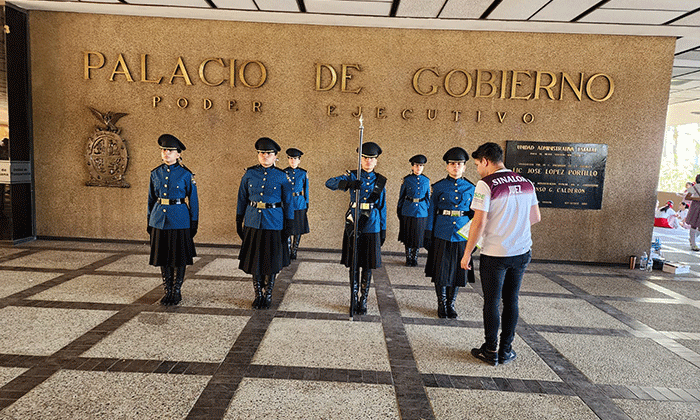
x=354, y=285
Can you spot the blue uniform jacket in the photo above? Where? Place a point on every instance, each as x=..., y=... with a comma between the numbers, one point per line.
x=172, y=182
x=377, y=215
x=267, y=185
x=300, y=187
x=414, y=187
x=449, y=194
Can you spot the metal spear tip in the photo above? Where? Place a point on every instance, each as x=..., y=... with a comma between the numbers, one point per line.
x=361, y=121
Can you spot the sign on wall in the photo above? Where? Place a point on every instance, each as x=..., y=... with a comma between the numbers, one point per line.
x=566, y=175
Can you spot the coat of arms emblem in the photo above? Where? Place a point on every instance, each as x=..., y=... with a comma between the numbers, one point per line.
x=106, y=153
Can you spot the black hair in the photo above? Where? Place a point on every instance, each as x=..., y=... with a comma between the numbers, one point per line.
x=697, y=178
x=489, y=151
x=668, y=204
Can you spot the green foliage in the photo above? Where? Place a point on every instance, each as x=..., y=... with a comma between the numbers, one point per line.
x=680, y=159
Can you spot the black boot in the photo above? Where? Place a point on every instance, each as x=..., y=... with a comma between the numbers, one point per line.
x=295, y=246
x=441, y=292
x=267, y=300
x=409, y=261
x=177, y=284
x=451, y=298
x=258, y=286
x=366, y=279
x=167, y=273
x=414, y=257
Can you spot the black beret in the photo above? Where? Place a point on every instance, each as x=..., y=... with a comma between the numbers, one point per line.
x=168, y=141
x=292, y=152
x=456, y=154
x=266, y=144
x=371, y=150
x=418, y=159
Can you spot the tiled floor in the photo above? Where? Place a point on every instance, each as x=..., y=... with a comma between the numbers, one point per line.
x=82, y=337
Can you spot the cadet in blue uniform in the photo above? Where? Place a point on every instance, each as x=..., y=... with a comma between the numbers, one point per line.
x=372, y=223
x=300, y=193
x=171, y=222
x=449, y=211
x=412, y=208
x=264, y=217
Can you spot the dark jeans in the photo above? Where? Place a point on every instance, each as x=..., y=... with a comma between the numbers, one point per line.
x=501, y=278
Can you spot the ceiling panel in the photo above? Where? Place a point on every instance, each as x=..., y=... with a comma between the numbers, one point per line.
x=564, y=10
x=640, y=17
x=278, y=5
x=178, y=3
x=516, y=9
x=419, y=8
x=691, y=20
x=465, y=9
x=684, y=5
x=346, y=7
x=101, y=1
x=680, y=71
x=233, y=4
x=690, y=55
x=687, y=43
x=692, y=76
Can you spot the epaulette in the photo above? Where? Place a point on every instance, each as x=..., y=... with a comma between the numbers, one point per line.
x=252, y=167
x=464, y=178
x=302, y=169
x=157, y=167
x=187, y=169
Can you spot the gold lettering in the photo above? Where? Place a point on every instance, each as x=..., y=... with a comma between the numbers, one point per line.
x=611, y=87
x=515, y=83
x=489, y=82
x=577, y=91
x=504, y=76
x=180, y=66
x=232, y=72
x=478, y=116
x=125, y=72
x=144, y=71
x=528, y=118
x=547, y=88
x=331, y=111
x=501, y=116
x=405, y=112
x=345, y=77
x=86, y=61
x=358, y=113
x=183, y=103
x=257, y=106
x=156, y=101
x=416, y=76
x=207, y=104
x=456, y=115
x=432, y=114
x=468, y=83
x=232, y=105
x=319, y=71
x=242, y=71
x=202, y=75
x=381, y=112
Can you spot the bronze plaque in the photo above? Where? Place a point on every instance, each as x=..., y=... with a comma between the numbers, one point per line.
x=566, y=175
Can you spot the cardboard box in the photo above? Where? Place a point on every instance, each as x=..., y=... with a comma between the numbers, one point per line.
x=676, y=268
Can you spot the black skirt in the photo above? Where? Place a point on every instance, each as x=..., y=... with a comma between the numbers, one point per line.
x=411, y=230
x=171, y=248
x=301, y=222
x=369, y=251
x=263, y=252
x=443, y=265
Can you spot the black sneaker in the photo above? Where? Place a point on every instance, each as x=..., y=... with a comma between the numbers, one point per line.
x=488, y=356
x=508, y=357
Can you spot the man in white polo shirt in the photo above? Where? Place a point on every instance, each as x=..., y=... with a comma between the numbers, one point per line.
x=505, y=205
